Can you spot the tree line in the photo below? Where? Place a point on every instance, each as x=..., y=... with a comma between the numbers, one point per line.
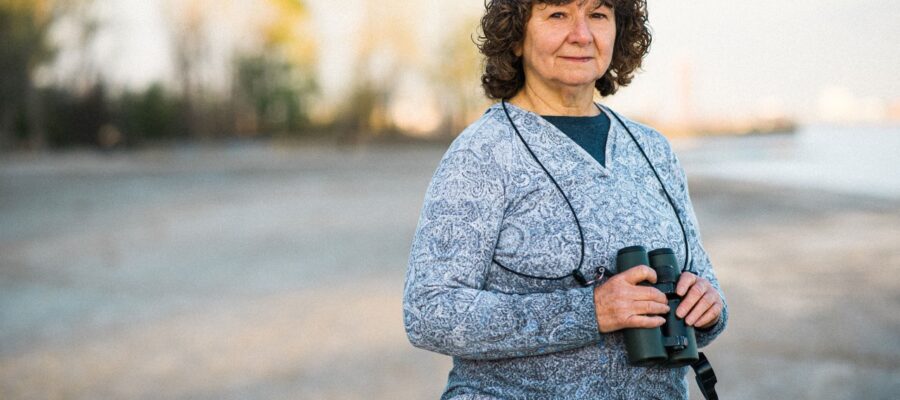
x=269, y=87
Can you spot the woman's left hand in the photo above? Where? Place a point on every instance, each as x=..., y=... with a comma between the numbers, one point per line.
x=701, y=304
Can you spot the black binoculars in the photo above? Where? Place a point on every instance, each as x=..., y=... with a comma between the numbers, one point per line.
x=674, y=344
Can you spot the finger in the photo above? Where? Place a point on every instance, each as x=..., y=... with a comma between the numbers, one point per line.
x=705, y=303
x=639, y=321
x=648, y=294
x=685, y=282
x=710, y=317
x=694, y=294
x=649, y=308
x=639, y=274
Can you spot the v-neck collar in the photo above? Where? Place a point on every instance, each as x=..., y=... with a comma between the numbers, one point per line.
x=613, y=134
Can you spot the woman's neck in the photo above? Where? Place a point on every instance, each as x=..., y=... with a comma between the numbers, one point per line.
x=578, y=102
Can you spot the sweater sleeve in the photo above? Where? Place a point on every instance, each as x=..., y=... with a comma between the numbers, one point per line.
x=445, y=307
x=699, y=258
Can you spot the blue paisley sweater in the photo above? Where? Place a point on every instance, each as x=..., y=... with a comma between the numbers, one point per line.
x=513, y=337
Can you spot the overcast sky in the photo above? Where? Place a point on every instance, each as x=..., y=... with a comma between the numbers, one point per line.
x=756, y=53
x=739, y=57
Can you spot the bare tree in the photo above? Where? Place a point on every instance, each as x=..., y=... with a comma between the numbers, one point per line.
x=387, y=47
x=275, y=45
x=188, y=21
x=459, y=75
x=273, y=79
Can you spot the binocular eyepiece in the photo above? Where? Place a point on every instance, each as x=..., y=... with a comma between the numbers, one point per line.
x=674, y=344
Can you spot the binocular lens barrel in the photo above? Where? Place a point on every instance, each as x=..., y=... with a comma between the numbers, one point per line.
x=664, y=262
x=644, y=345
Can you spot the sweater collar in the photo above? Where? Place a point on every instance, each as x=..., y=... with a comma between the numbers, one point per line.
x=546, y=138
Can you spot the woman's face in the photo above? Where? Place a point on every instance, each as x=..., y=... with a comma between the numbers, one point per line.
x=569, y=45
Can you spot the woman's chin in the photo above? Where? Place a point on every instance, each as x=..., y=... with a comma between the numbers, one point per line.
x=580, y=84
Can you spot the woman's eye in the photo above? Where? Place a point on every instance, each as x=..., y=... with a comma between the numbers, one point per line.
x=598, y=15
x=557, y=15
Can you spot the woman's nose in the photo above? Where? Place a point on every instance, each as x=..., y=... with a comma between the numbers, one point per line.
x=581, y=32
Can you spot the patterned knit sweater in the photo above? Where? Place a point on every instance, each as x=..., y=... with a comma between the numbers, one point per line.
x=513, y=337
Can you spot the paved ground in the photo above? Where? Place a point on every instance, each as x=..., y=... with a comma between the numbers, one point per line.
x=257, y=272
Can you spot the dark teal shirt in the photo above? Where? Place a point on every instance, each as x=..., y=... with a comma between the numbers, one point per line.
x=589, y=132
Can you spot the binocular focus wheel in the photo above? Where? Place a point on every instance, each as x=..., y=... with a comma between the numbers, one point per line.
x=676, y=342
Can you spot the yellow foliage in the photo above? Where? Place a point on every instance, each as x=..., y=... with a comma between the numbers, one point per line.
x=26, y=4
x=40, y=10
x=279, y=28
x=288, y=31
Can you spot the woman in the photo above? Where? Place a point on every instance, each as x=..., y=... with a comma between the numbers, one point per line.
x=548, y=182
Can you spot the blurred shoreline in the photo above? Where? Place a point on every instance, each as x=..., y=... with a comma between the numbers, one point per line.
x=269, y=271
x=855, y=160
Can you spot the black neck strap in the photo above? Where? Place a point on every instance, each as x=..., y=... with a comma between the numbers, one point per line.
x=576, y=273
x=687, y=254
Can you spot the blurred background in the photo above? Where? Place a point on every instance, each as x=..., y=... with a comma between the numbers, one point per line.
x=216, y=199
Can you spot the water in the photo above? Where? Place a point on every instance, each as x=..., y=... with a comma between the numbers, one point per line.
x=858, y=160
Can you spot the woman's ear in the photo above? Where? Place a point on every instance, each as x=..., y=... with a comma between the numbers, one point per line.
x=518, y=50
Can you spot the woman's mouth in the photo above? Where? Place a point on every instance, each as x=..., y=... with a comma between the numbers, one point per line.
x=577, y=59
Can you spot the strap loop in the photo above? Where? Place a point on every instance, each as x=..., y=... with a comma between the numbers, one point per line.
x=706, y=378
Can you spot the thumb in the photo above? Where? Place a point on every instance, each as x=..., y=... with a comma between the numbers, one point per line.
x=639, y=274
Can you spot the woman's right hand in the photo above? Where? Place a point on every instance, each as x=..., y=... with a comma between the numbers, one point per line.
x=620, y=303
